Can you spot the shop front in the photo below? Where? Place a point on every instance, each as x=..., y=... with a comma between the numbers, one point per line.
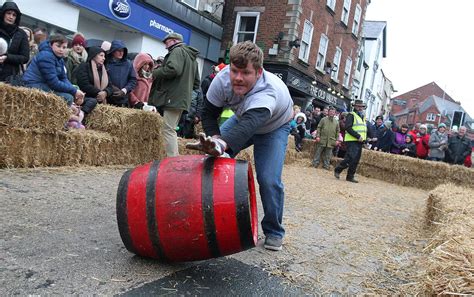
x=303, y=90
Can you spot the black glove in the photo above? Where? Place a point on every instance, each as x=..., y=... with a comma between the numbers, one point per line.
x=209, y=145
x=139, y=105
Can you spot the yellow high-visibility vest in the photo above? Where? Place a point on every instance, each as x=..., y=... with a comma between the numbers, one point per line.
x=359, y=125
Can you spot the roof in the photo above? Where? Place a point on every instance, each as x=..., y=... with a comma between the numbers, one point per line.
x=444, y=106
x=375, y=30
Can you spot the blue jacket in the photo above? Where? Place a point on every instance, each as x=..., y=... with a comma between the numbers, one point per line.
x=47, y=68
x=121, y=72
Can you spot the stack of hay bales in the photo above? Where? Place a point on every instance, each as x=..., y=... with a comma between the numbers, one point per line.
x=32, y=133
x=450, y=254
x=407, y=171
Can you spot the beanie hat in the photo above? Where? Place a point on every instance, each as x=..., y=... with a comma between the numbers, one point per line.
x=79, y=39
x=442, y=125
x=105, y=45
x=173, y=35
x=423, y=126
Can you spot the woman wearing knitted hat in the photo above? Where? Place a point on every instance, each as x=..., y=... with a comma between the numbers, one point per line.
x=77, y=54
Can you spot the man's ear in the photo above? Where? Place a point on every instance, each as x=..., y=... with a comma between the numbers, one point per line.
x=259, y=72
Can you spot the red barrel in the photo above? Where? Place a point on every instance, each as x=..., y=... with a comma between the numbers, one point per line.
x=188, y=208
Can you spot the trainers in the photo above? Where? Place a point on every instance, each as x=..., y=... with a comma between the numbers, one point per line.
x=273, y=243
x=352, y=180
x=336, y=174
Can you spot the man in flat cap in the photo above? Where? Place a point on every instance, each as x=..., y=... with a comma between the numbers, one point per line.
x=356, y=127
x=173, y=85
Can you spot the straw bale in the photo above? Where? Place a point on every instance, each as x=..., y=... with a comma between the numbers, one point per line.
x=408, y=171
x=125, y=122
x=31, y=108
x=450, y=260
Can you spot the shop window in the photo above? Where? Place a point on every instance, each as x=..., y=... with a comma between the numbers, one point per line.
x=192, y=3
x=246, y=26
x=336, y=62
x=355, y=24
x=347, y=72
x=345, y=11
x=306, y=41
x=323, y=47
x=431, y=117
x=331, y=4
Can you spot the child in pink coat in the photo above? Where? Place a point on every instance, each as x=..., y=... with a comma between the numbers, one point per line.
x=143, y=65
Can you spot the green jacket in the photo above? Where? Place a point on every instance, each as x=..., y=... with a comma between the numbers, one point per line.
x=175, y=80
x=328, y=131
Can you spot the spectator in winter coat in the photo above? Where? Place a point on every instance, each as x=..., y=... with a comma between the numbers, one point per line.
x=173, y=86
x=410, y=147
x=438, y=143
x=93, y=79
x=398, y=140
x=459, y=146
x=298, y=130
x=326, y=138
x=121, y=74
x=143, y=65
x=422, y=140
x=77, y=54
x=384, y=137
x=47, y=71
x=31, y=43
x=18, y=52
x=415, y=131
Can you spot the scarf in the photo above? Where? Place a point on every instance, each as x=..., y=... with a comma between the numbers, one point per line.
x=76, y=58
x=102, y=82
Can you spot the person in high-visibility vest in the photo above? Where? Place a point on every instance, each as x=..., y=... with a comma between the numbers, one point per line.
x=355, y=136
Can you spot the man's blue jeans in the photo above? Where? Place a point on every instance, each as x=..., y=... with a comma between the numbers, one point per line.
x=269, y=155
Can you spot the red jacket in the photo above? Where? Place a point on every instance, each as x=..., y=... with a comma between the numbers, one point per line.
x=422, y=147
x=414, y=133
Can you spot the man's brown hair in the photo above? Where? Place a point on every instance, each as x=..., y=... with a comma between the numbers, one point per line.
x=244, y=52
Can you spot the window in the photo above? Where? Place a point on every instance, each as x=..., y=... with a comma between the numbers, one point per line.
x=336, y=62
x=360, y=61
x=323, y=47
x=246, y=26
x=331, y=4
x=193, y=3
x=347, y=72
x=355, y=24
x=431, y=117
x=306, y=41
x=345, y=11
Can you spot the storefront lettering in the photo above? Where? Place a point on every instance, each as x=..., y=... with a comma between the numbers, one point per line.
x=280, y=75
x=322, y=94
x=161, y=27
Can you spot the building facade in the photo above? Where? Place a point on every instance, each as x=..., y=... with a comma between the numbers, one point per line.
x=141, y=24
x=311, y=45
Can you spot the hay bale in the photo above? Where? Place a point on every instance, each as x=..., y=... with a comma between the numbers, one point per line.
x=31, y=108
x=450, y=261
x=412, y=172
x=125, y=122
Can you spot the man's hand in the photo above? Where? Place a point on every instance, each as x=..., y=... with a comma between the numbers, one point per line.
x=209, y=145
x=317, y=139
x=79, y=97
x=101, y=96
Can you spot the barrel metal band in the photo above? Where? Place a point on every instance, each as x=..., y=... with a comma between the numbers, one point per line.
x=242, y=204
x=122, y=213
x=151, y=210
x=208, y=206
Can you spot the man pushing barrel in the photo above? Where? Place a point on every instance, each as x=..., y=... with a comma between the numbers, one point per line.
x=263, y=108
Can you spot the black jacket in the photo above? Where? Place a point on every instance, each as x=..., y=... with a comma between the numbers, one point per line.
x=458, y=149
x=18, y=52
x=85, y=78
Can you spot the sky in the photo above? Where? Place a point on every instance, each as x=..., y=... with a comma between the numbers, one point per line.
x=429, y=40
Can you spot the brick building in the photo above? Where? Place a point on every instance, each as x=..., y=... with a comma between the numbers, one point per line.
x=311, y=45
x=429, y=104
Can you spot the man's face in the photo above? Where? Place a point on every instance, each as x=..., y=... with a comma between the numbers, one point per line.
x=317, y=111
x=39, y=37
x=59, y=49
x=442, y=129
x=170, y=42
x=325, y=111
x=9, y=17
x=331, y=112
x=379, y=122
x=243, y=79
x=359, y=108
x=118, y=54
x=462, y=131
